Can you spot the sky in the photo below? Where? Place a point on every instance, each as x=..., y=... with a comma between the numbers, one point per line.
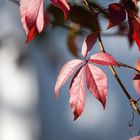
x=29, y=109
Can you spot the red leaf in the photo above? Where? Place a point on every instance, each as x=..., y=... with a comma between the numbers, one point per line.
x=135, y=2
x=63, y=5
x=88, y=43
x=136, y=77
x=32, y=34
x=65, y=73
x=135, y=138
x=136, y=38
x=136, y=81
x=32, y=17
x=134, y=24
x=103, y=59
x=117, y=14
x=96, y=82
x=77, y=93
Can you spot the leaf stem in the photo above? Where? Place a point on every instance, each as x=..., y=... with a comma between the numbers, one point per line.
x=130, y=67
x=132, y=102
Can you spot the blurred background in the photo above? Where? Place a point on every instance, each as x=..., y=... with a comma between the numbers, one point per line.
x=28, y=107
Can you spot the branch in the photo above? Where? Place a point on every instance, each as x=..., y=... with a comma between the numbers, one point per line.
x=130, y=67
x=138, y=100
x=133, y=102
x=15, y=1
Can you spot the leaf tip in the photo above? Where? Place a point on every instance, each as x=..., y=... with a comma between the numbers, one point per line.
x=104, y=105
x=136, y=77
x=66, y=14
x=103, y=102
x=76, y=115
x=56, y=95
x=56, y=91
x=33, y=32
x=109, y=26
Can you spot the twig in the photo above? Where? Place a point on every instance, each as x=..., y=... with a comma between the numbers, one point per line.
x=127, y=66
x=138, y=100
x=131, y=122
x=133, y=102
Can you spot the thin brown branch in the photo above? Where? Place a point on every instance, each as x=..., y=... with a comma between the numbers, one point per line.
x=130, y=67
x=138, y=100
x=133, y=102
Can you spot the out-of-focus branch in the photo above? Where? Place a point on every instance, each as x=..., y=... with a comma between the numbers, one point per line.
x=127, y=66
x=15, y=1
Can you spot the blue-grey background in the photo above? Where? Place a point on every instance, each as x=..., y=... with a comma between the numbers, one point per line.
x=28, y=107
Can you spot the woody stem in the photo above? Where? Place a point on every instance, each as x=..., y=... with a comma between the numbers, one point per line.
x=132, y=102
x=130, y=67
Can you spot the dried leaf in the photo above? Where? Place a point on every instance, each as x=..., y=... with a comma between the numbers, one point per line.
x=72, y=38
